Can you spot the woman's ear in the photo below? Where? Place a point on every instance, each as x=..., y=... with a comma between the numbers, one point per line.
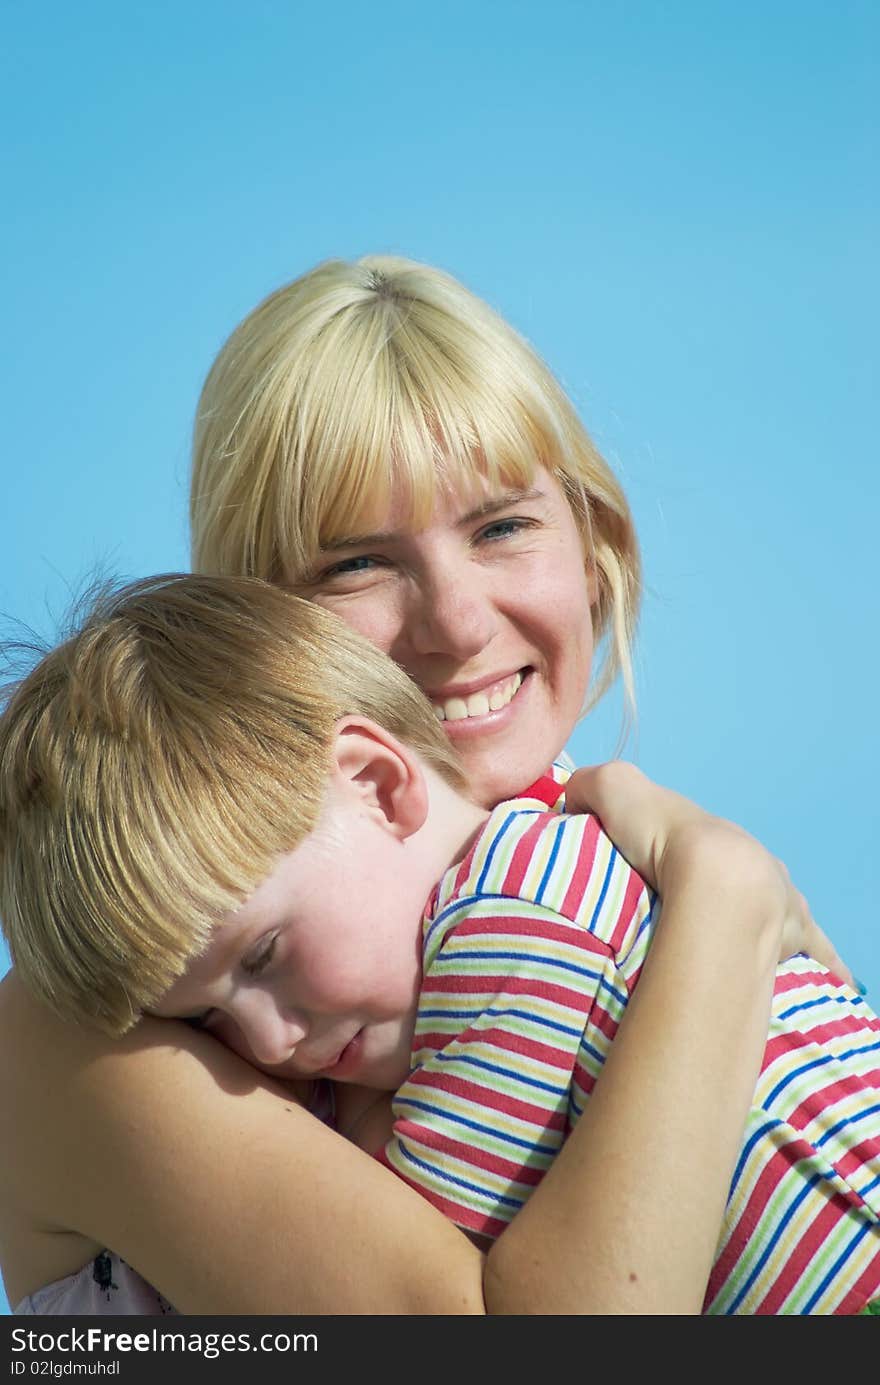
x=592, y=583
x=385, y=774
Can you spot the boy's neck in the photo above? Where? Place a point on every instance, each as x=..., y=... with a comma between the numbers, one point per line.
x=452, y=825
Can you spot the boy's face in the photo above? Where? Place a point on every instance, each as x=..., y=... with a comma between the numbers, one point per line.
x=318, y=973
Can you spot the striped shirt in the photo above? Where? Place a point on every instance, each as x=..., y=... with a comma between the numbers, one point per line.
x=532, y=946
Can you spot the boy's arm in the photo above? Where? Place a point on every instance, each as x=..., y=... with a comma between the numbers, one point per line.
x=484, y=1113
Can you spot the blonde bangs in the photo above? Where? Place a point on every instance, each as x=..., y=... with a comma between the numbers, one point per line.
x=401, y=404
x=385, y=379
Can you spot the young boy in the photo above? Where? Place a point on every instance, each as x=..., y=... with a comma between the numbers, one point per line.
x=218, y=803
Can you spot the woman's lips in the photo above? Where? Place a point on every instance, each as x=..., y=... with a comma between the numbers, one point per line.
x=491, y=698
x=469, y=728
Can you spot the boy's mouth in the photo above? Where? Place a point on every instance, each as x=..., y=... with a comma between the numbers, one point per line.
x=347, y=1058
x=491, y=698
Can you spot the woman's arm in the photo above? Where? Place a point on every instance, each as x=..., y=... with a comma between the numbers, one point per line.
x=648, y=823
x=643, y=1181
x=229, y=1198
x=215, y=1185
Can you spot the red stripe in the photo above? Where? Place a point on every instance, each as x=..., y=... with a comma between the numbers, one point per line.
x=583, y=1080
x=864, y=1156
x=866, y=1287
x=461, y=1216
x=471, y=1089
x=770, y=1177
x=632, y=900
x=846, y=1025
x=509, y=1042
x=799, y=1259
x=496, y=986
x=583, y=870
x=546, y=789
x=501, y=1041
x=511, y=1170
x=823, y=980
x=514, y=926
x=817, y=1104
x=524, y=854
x=780, y=1046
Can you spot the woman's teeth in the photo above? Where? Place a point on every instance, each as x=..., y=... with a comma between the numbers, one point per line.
x=479, y=704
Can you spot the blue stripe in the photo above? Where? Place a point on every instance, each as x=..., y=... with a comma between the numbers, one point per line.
x=445, y=1057
x=511, y=817
x=516, y=1203
x=841, y=1260
x=649, y=917
x=768, y=1250
x=462, y=904
x=621, y=996
x=847, y=1121
x=528, y=1015
x=820, y=1000
x=407, y=1101
x=869, y=1188
x=819, y=1063
x=548, y=869
x=444, y=914
x=747, y=1149
x=605, y=883
x=584, y=1047
x=530, y=957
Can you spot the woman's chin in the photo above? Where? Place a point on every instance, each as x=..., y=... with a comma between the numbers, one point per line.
x=507, y=750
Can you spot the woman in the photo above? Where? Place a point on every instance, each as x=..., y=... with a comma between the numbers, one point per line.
x=378, y=439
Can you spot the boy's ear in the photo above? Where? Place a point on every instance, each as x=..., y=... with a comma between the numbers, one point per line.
x=383, y=772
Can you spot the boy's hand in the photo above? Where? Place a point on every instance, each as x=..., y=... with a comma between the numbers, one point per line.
x=674, y=844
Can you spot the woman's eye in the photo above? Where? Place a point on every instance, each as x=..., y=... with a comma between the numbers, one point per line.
x=256, y=962
x=504, y=529
x=348, y=567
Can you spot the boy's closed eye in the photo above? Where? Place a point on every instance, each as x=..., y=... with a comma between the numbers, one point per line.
x=259, y=957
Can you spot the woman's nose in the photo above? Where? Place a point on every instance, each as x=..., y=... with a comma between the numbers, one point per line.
x=454, y=615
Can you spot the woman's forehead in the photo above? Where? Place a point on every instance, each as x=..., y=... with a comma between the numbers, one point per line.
x=454, y=495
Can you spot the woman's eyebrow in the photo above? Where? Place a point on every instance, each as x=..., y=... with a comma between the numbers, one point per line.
x=481, y=511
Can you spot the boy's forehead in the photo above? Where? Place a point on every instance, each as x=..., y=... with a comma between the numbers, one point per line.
x=183, y=996
x=229, y=941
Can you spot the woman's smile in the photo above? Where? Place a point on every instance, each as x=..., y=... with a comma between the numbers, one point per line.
x=488, y=609
x=478, y=702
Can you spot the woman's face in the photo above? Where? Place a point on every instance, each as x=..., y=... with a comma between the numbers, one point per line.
x=488, y=609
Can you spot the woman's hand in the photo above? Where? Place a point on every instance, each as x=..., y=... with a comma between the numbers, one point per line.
x=672, y=842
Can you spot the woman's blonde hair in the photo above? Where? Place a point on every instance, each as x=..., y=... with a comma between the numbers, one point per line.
x=156, y=765
x=359, y=377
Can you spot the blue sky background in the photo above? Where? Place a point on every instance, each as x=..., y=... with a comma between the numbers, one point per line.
x=676, y=202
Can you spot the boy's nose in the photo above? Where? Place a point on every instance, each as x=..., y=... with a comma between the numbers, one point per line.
x=272, y=1035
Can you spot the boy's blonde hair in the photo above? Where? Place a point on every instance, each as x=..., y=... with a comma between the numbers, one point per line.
x=155, y=766
x=359, y=377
